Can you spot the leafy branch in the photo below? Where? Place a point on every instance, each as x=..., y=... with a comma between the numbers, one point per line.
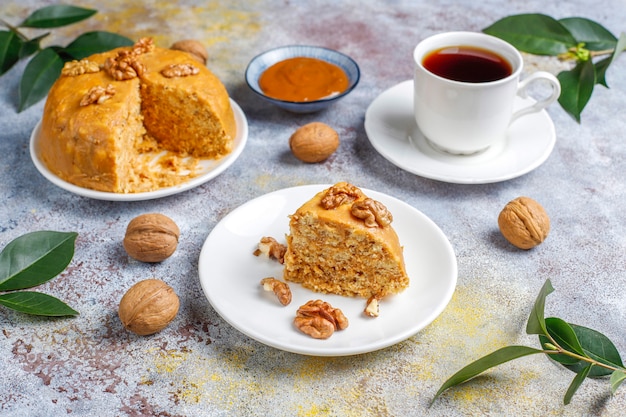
x=46, y=65
x=583, y=351
x=31, y=260
x=587, y=43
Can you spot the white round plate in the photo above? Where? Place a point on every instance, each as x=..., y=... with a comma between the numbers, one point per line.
x=392, y=130
x=209, y=168
x=230, y=276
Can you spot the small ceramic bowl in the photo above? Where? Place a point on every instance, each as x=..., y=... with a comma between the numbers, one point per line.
x=265, y=60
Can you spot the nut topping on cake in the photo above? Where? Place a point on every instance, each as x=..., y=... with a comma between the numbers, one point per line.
x=84, y=66
x=319, y=319
x=97, y=95
x=179, y=70
x=372, y=212
x=143, y=46
x=340, y=193
x=123, y=66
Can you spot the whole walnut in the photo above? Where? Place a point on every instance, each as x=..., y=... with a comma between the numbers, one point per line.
x=524, y=223
x=314, y=142
x=151, y=237
x=193, y=47
x=148, y=307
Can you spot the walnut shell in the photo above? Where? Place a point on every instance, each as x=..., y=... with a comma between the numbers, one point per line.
x=314, y=142
x=195, y=48
x=151, y=237
x=524, y=223
x=148, y=307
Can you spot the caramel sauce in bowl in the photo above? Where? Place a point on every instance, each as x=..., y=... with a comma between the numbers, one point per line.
x=302, y=79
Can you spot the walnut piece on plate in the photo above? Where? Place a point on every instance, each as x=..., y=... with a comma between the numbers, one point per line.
x=372, y=307
x=319, y=319
x=270, y=248
x=281, y=289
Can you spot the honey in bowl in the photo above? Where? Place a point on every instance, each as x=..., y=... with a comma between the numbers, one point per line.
x=302, y=79
x=467, y=64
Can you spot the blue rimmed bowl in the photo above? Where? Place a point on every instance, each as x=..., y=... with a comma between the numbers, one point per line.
x=263, y=61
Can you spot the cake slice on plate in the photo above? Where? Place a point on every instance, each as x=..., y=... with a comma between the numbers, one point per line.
x=342, y=242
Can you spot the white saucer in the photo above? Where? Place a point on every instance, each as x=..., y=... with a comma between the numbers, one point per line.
x=392, y=130
x=230, y=274
x=209, y=168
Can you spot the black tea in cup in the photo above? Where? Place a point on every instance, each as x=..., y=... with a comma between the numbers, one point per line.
x=467, y=64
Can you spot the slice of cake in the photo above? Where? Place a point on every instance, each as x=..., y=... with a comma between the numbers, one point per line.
x=188, y=113
x=342, y=242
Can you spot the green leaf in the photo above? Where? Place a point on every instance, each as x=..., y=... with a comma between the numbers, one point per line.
x=576, y=88
x=36, y=303
x=576, y=382
x=536, y=322
x=35, y=258
x=603, y=65
x=56, y=16
x=39, y=75
x=10, y=45
x=597, y=347
x=496, y=358
x=31, y=46
x=533, y=33
x=621, y=45
x=95, y=42
x=564, y=335
x=595, y=36
x=617, y=378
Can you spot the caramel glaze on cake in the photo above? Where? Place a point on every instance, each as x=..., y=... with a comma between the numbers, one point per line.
x=148, y=131
x=342, y=242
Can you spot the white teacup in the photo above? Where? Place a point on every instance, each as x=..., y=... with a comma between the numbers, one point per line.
x=465, y=117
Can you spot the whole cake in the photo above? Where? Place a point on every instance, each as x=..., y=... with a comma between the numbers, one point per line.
x=342, y=242
x=135, y=119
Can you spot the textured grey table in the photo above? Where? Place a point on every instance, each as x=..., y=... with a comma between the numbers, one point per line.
x=200, y=365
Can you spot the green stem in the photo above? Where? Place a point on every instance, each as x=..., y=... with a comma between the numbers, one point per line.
x=559, y=350
x=572, y=54
x=14, y=29
x=603, y=52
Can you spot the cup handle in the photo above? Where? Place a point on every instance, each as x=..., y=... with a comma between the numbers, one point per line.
x=541, y=104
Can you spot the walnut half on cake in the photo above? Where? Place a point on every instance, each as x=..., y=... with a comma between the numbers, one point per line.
x=342, y=242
